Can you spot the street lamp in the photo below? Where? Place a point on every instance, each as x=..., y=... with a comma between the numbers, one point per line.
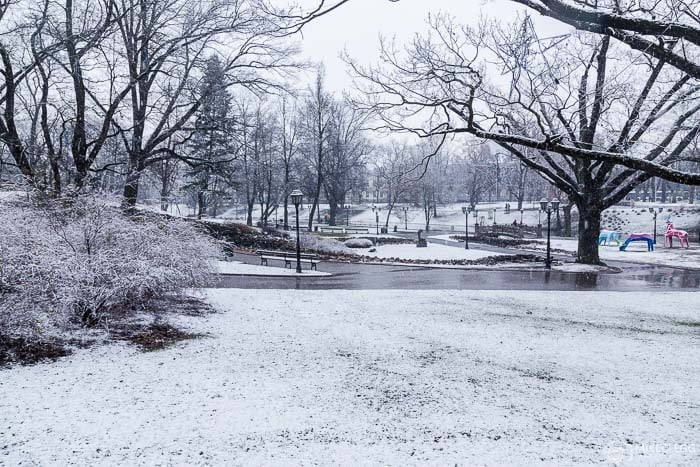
x=494, y=217
x=297, y=196
x=521, y=217
x=465, y=211
x=655, y=213
x=405, y=216
x=347, y=214
x=376, y=210
x=549, y=207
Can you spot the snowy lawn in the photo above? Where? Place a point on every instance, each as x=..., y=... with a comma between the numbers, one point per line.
x=376, y=378
x=636, y=252
x=371, y=235
x=448, y=237
x=236, y=268
x=576, y=267
x=433, y=251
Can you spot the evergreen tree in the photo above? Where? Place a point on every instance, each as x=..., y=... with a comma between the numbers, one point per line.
x=211, y=149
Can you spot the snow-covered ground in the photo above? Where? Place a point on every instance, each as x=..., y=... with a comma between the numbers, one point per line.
x=237, y=268
x=433, y=251
x=380, y=236
x=636, y=252
x=576, y=267
x=378, y=378
x=449, y=216
x=447, y=238
x=11, y=196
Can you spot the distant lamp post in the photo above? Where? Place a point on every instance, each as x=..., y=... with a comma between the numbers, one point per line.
x=276, y=219
x=549, y=207
x=654, y=213
x=376, y=210
x=347, y=214
x=465, y=211
x=297, y=196
x=494, y=217
x=521, y=216
x=405, y=217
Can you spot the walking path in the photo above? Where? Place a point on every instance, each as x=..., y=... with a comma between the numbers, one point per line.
x=358, y=276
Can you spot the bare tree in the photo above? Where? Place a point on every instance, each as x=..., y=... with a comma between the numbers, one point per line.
x=648, y=26
x=582, y=105
x=397, y=173
x=347, y=149
x=317, y=120
x=164, y=42
x=290, y=134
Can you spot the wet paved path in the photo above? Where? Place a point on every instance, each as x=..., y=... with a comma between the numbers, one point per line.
x=356, y=276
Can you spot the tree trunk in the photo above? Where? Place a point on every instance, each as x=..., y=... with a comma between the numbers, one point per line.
x=201, y=204
x=663, y=191
x=314, y=206
x=333, y=212
x=131, y=183
x=588, y=231
x=164, y=197
x=567, y=219
x=249, y=212
x=388, y=214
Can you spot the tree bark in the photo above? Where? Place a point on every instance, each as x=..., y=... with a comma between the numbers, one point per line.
x=249, y=212
x=333, y=212
x=131, y=189
x=314, y=206
x=567, y=219
x=588, y=231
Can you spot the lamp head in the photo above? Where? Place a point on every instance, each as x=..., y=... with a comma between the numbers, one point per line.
x=464, y=209
x=543, y=204
x=296, y=196
x=555, y=204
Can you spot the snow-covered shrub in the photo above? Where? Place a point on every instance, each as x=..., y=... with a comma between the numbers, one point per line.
x=324, y=245
x=358, y=243
x=70, y=260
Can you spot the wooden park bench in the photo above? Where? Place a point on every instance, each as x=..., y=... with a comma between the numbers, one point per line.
x=343, y=229
x=289, y=258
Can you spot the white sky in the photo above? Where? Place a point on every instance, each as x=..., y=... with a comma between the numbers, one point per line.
x=357, y=25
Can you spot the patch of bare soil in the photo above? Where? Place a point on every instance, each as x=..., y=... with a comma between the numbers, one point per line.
x=154, y=336
x=25, y=351
x=145, y=327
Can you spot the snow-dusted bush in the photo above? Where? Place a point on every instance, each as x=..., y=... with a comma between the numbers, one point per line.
x=324, y=245
x=358, y=243
x=71, y=260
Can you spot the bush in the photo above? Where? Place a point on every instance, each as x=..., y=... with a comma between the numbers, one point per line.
x=358, y=243
x=317, y=244
x=244, y=236
x=71, y=260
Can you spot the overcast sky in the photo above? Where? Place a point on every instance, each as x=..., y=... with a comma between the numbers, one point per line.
x=357, y=26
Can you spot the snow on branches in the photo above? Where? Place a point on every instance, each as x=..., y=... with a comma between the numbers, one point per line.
x=68, y=261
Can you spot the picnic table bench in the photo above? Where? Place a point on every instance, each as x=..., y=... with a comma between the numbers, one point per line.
x=289, y=257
